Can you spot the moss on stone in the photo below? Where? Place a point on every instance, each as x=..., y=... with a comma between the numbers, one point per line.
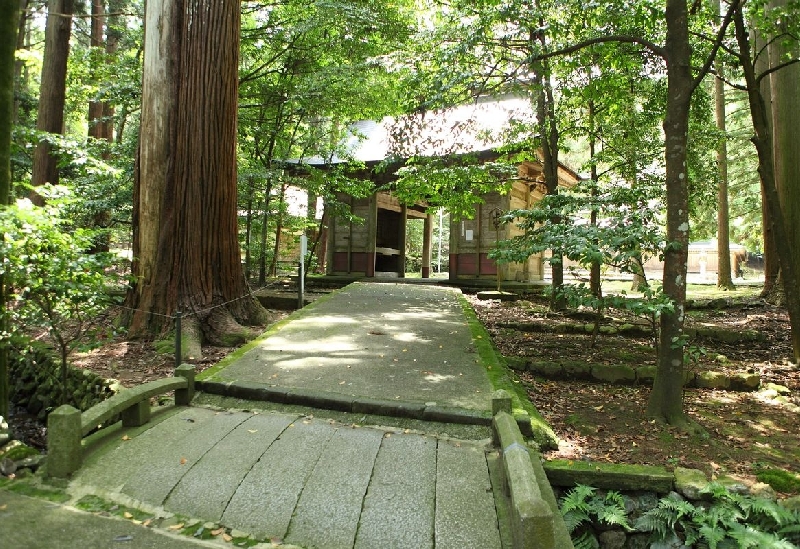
x=502, y=378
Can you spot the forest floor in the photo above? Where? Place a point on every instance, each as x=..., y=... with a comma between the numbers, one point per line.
x=743, y=432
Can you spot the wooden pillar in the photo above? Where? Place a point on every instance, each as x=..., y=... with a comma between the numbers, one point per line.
x=455, y=238
x=350, y=239
x=372, y=234
x=330, y=238
x=401, y=258
x=478, y=235
x=427, y=238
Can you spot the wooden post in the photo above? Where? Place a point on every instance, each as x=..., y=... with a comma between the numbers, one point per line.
x=401, y=257
x=372, y=234
x=427, y=238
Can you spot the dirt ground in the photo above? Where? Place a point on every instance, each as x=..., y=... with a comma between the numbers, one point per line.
x=744, y=432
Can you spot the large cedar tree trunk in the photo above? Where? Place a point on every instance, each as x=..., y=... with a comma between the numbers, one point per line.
x=771, y=267
x=781, y=157
x=9, y=10
x=666, y=398
x=185, y=212
x=52, y=92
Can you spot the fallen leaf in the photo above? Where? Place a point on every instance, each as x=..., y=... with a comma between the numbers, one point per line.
x=217, y=532
x=183, y=461
x=126, y=437
x=176, y=526
x=127, y=515
x=251, y=431
x=227, y=537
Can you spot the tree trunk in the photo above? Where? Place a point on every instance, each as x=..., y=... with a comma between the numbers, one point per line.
x=724, y=279
x=19, y=65
x=771, y=267
x=9, y=11
x=96, y=126
x=785, y=213
x=185, y=210
x=548, y=133
x=666, y=398
x=52, y=92
x=276, y=249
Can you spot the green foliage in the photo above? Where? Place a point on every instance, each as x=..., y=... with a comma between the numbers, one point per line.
x=745, y=520
x=628, y=230
x=782, y=481
x=583, y=506
x=54, y=284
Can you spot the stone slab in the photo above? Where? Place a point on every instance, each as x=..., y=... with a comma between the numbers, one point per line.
x=31, y=523
x=205, y=490
x=465, y=509
x=402, y=486
x=396, y=342
x=329, y=508
x=265, y=500
x=167, y=463
x=120, y=459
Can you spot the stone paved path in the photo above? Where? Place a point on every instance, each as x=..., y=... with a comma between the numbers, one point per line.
x=309, y=482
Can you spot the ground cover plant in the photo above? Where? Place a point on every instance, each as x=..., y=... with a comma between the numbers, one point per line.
x=749, y=435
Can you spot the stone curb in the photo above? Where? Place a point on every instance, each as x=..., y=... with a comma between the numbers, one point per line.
x=344, y=403
x=607, y=476
x=627, y=375
x=535, y=519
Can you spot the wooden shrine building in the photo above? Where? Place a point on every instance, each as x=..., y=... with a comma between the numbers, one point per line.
x=377, y=246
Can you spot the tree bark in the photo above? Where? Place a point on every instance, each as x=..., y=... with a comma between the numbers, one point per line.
x=549, y=136
x=52, y=92
x=724, y=279
x=770, y=250
x=785, y=214
x=666, y=398
x=9, y=12
x=185, y=209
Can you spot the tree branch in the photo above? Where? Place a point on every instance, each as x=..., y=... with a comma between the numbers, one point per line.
x=655, y=48
x=723, y=28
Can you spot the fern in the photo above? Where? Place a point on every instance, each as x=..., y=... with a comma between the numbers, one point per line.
x=587, y=540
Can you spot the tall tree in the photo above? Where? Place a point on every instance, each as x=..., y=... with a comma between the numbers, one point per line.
x=185, y=214
x=724, y=279
x=9, y=12
x=52, y=91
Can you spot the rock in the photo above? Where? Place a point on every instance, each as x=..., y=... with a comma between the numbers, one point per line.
x=7, y=467
x=577, y=370
x=672, y=542
x=645, y=375
x=744, y=381
x=613, y=539
x=712, y=380
x=792, y=503
x=17, y=450
x=689, y=482
x=763, y=490
x=614, y=373
x=550, y=370
x=33, y=462
x=638, y=541
x=734, y=485
x=492, y=294
x=778, y=389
